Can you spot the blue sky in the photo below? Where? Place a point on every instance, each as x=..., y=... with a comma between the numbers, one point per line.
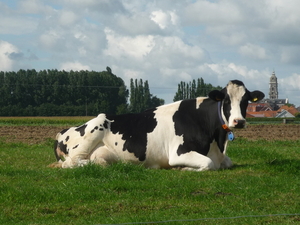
x=164, y=42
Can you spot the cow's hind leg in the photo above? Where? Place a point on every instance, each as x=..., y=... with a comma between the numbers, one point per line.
x=192, y=161
x=102, y=156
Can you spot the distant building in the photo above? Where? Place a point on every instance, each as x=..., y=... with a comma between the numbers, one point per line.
x=273, y=87
x=273, y=99
x=272, y=106
x=263, y=110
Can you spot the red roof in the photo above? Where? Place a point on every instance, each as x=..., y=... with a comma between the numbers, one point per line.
x=257, y=107
x=262, y=114
x=290, y=109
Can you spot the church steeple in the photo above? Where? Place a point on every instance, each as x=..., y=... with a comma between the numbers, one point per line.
x=273, y=92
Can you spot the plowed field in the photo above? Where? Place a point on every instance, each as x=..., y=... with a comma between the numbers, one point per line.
x=39, y=134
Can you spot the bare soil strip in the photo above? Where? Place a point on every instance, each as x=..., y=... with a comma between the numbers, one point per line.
x=39, y=134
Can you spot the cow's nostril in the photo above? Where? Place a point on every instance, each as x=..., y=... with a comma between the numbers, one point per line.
x=239, y=123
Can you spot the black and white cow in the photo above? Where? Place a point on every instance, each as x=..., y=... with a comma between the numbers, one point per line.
x=191, y=134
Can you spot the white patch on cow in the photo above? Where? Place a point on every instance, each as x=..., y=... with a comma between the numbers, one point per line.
x=102, y=156
x=199, y=100
x=220, y=159
x=235, y=93
x=192, y=161
x=157, y=154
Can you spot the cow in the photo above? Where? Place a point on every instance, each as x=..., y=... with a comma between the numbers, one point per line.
x=190, y=134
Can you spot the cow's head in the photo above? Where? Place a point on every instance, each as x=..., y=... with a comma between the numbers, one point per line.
x=234, y=101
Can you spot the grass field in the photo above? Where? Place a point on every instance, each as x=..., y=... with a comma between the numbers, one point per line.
x=264, y=181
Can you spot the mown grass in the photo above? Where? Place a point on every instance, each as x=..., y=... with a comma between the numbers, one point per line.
x=265, y=180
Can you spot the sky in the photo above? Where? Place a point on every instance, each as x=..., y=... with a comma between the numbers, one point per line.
x=162, y=41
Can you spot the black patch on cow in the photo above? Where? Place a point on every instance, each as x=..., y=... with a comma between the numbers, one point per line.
x=101, y=129
x=67, y=138
x=244, y=103
x=116, y=143
x=105, y=124
x=95, y=128
x=75, y=146
x=81, y=129
x=226, y=107
x=237, y=82
x=198, y=126
x=134, y=129
x=61, y=146
x=64, y=131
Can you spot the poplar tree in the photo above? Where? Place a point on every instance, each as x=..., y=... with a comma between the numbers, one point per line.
x=141, y=98
x=193, y=89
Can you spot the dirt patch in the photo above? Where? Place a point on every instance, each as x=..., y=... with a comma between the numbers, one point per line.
x=270, y=132
x=39, y=134
x=29, y=134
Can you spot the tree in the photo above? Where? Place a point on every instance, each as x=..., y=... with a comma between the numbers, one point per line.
x=193, y=89
x=141, y=98
x=59, y=93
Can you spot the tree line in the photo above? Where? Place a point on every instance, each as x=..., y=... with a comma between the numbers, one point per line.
x=193, y=89
x=81, y=93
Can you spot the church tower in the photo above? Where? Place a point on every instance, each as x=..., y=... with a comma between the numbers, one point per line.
x=273, y=92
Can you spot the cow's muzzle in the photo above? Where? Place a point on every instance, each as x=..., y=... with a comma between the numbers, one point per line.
x=239, y=123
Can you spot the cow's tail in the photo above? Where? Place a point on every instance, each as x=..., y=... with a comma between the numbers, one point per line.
x=59, y=162
x=55, y=150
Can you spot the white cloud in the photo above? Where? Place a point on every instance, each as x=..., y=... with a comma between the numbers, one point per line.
x=75, y=66
x=133, y=74
x=164, y=19
x=124, y=46
x=213, y=13
x=142, y=25
x=290, y=88
x=160, y=18
x=49, y=39
x=14, y=23
x=34, y=7
x=290, y=54
x=6, y=63
x=291, y=83
x=253, y=51
x=67, y=18
x=174, y=52
x=254, y=79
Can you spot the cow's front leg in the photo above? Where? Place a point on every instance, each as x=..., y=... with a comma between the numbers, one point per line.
x=102, y=156
x=192, y=161
x=74, y=162
x=226, y=163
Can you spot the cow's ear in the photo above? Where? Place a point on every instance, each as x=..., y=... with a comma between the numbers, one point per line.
x=256, y=96
x=216, y=95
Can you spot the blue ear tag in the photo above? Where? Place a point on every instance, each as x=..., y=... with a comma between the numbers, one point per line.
x=230, y=136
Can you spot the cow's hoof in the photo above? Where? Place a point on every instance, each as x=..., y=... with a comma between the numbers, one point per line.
x=55, y=165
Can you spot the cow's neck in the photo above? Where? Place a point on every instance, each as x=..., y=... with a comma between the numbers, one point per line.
x=224, y=126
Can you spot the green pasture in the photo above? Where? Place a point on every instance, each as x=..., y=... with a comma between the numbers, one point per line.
x=263, y=187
